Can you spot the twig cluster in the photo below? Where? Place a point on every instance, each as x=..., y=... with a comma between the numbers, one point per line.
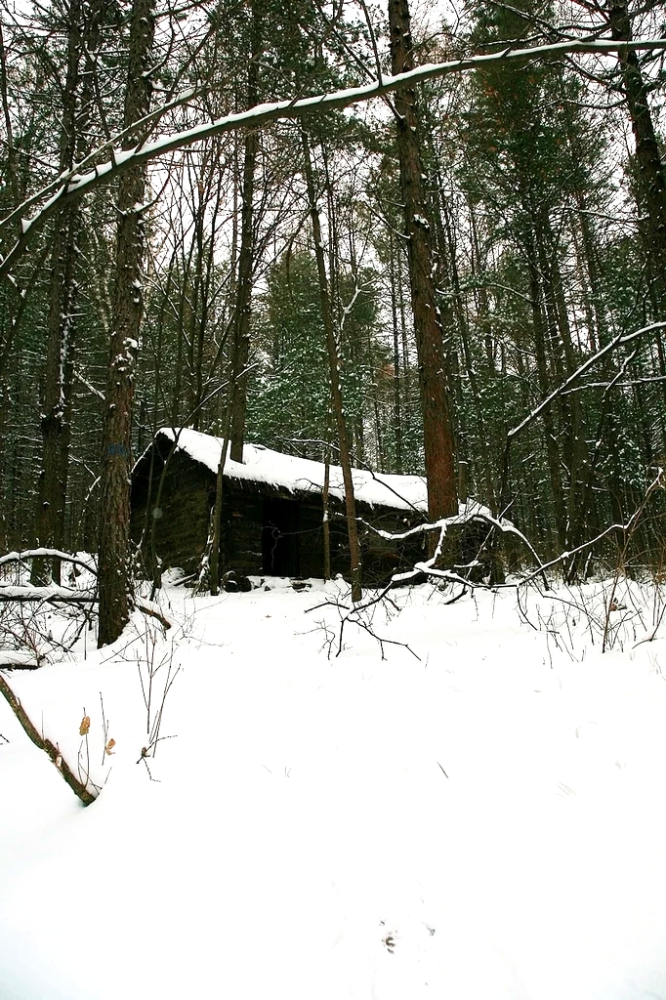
x=154, y=690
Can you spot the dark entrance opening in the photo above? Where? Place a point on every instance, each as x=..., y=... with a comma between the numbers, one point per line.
x=279, y=538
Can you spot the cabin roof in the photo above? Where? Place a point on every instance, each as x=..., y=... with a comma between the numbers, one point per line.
x=297, y=475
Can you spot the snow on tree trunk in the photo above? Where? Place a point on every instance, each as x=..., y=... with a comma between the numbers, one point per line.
x=115, y=570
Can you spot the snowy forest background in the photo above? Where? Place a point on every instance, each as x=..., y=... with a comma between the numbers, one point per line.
x=421, y=238
x=544, y=212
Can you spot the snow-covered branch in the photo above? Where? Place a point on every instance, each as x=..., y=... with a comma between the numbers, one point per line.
x=29, y=594
x=619, y=341
x=52, y=592
x=80, y=179
x=43, y=553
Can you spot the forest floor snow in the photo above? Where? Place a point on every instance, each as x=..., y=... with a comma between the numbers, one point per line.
x=484, y=822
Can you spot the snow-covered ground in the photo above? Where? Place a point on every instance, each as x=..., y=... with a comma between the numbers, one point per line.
x=487, y=821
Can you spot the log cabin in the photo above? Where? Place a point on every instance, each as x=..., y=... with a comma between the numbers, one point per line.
x=272, y=513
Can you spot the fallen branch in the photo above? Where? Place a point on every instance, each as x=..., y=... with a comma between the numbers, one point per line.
x=46, y=745
x=55, y=594
x=27, y=594
x=472, y=513
x=356, y=616
x=356, y=619
x=152, y=610
x=42, y=553
x=18, y=660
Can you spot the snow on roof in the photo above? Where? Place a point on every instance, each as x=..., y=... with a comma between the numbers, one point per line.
x=261, y=465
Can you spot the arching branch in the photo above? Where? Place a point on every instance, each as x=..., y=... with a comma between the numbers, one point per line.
x=79, y=180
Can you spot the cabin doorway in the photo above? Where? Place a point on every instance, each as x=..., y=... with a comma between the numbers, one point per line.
x=279, y=538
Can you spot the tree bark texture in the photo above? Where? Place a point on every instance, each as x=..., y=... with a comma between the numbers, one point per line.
x=651, y=173
x=438, y=435
x=115, y=569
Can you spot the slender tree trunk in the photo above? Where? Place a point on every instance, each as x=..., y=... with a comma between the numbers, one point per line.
x=241, y=344
x=576, y=454
x=470, y=367
x=552, y=449
x=192, y=293
x=50, y=520
x=590, y=254
x=217, y=567
x=397, y=372
x=482, y=304
x=11, y=161
x=115, y=563
x=326, y=514
x=55, y=419
x=334, y=368
x=433, y=372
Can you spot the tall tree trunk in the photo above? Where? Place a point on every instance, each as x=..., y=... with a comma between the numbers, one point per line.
x=591, y=256
x=192, y=295
x=397, y=372
x=334, y=368
x=13, y=303
x=651, y=173
x=575, y=446
x=115, y=564
x=55, y=418
x=482, y=434
x=326, y=513
x=651, y=169
x=433, y=373
x=217, y=545
x=545, y=386
x=241, y=344
x=50, y=520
